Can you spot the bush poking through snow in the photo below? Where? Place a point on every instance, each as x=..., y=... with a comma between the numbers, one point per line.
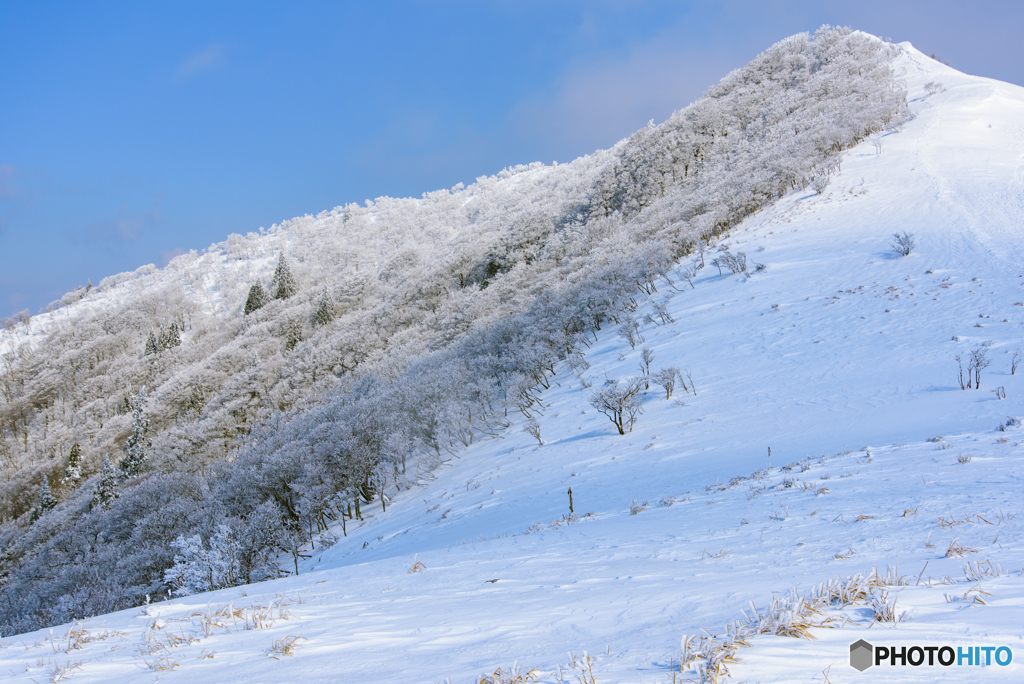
x=903, y=244
x=417, y=566
x=637, y=506
x=532, y=428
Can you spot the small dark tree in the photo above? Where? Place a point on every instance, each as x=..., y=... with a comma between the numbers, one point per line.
x=170, y=337
x=135, y=447
x=326, y=312
x=151, y=345
x=257, y=298
x=292, y=335
x=620, y=403
x=283, y=280
x=73, y=472
x=106, y=488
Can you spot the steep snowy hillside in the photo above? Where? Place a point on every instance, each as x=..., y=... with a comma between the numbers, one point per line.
x=249, y=396
x=838, y=355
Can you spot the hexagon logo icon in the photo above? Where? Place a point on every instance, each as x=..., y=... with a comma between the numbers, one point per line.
x=861, y=655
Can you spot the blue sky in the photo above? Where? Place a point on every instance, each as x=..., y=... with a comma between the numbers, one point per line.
x=131, y=130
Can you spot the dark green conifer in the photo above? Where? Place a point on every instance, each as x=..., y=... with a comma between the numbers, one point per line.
x=283, y=280
x=257, y=298
x=151, y=345
x=73, y=472
x=326, y=312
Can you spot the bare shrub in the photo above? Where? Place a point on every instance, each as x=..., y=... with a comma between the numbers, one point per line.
x=903, y=244
x=532, y=428
x=666, y=377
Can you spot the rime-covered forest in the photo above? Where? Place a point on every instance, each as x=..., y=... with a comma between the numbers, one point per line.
x=194, y=427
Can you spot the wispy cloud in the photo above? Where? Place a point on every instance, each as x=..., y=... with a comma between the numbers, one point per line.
x=19, y=188
x=124, y=226
x=166, y=257
x=207, y=59
x=598, y=103
x=8, y=189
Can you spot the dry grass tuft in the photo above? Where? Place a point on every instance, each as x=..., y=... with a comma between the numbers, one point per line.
x=513, y=675
x=283, y=647
x=417, y=565
x=975, y=572
x=581, y=668
x=958, y=550
x=884, y=606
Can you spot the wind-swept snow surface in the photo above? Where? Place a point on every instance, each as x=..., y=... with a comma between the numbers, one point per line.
x=838, y=355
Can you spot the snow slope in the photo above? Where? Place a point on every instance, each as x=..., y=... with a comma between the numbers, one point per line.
x=838, y=356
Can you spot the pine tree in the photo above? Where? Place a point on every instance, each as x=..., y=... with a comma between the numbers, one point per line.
x=73, y=473
x=151, y=345
x=46, y=500
x=135, y=447
x=106, y=489
x=283, y=279
x=257, y=298
x=170, y=337
x=326, y=312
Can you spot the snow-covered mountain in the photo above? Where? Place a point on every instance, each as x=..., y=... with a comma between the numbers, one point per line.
x=838, y=356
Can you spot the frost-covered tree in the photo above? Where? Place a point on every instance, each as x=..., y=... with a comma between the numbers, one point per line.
x=170, y=338
x=198, y=568
x=135, y=447
x=666, y=377
x=283, y=281
x=73, y=471
x=46, y=501
x=152, y=346
x=325, y=311
x=256, y=299
x=106, y=488
x=620, y=403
